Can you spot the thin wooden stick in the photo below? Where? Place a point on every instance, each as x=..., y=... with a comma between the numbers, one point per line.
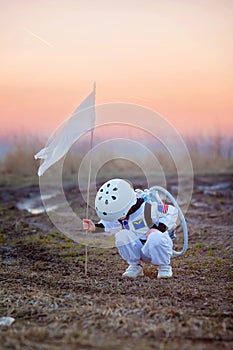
x=88, y=197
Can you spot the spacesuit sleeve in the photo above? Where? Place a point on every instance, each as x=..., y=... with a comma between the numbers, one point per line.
x=111, y=226
x=164, y=214
x=170, y=217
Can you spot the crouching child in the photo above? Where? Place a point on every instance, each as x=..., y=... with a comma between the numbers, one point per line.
x=141, y=229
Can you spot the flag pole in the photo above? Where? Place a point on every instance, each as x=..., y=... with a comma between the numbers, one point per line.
x=88, y=189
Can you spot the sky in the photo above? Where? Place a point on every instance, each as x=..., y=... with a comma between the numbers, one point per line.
x=173, y=56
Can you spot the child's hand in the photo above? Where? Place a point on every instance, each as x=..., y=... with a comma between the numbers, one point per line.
x=88, y=225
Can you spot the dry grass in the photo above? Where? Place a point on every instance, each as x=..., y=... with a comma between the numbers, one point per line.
x=19, y=160
x=213, y=154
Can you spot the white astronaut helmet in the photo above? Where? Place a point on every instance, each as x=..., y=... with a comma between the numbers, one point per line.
x=114, y=199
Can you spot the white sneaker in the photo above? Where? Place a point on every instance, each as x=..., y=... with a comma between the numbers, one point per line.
x=133, y=271
x=164, y=271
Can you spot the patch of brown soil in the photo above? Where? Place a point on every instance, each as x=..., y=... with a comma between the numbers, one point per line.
x=55, y=306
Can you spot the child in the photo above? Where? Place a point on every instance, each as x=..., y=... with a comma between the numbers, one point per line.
x=123, y=212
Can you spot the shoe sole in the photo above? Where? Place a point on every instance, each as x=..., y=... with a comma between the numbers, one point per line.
x=133, y=277
x=163, y=277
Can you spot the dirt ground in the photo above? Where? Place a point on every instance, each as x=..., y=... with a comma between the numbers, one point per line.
x=44, y=288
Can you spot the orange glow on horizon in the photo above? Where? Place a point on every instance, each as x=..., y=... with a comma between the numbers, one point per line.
x=173, y=57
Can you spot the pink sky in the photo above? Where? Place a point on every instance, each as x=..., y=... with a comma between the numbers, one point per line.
x=173, y=56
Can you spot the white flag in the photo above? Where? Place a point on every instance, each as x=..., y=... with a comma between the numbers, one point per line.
x=81, y=121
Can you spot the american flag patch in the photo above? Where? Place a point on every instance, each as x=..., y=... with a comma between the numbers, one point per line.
x=163, y=208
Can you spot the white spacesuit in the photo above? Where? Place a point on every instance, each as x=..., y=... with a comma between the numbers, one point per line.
x=141, y=228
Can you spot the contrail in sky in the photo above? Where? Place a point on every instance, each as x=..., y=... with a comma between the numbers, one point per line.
x=39, y=37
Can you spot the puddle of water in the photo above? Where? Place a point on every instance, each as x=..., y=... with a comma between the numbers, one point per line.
x=40, y=210
x=9, y=261
x=35, y=206
x=216, y=187
x=200, y=205
x=6, y=321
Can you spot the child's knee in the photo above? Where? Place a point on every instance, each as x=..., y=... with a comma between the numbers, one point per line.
x=155, y=238
x=121, y=238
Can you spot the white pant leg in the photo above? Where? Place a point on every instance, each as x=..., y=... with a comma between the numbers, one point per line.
x=129, y=246
x=158, y=248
